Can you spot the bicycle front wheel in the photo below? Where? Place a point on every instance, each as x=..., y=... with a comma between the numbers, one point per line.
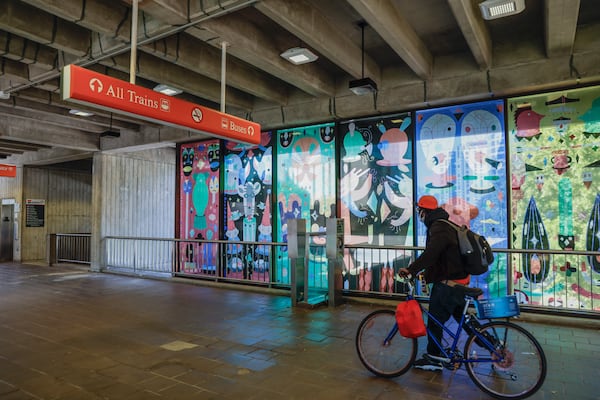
x=386, y=358
x=514, y=369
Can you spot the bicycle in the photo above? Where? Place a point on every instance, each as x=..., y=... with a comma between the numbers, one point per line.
x=503, y=359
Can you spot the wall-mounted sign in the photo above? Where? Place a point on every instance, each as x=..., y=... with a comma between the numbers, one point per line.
x=8, y=170
x=88, y=87
x=34, y=212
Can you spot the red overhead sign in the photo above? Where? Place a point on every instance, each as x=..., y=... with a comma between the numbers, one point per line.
x=88, y=87
x=8, y=170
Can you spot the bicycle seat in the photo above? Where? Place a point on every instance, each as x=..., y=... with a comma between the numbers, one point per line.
x=473, y=292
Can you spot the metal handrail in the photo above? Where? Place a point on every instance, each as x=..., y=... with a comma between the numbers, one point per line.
x=240, y=262
x=69, y=248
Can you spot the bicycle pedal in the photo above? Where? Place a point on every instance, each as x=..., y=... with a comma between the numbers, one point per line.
x=452, y=366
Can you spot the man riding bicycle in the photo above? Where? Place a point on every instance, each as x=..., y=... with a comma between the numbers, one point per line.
x=443, y=266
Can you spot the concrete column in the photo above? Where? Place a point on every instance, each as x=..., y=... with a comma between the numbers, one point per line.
x=19, y=211
x=96, y=242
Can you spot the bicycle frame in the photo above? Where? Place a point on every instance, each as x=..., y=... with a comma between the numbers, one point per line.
x=450, y=355
x=516, y=365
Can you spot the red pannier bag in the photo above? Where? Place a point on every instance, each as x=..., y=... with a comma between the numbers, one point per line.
x=409, y=318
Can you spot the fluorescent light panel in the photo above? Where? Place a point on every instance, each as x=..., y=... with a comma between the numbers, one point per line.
x=299, y=55
x=502, y=9
x=492, y=9
x=80, y=113
x=166, y=89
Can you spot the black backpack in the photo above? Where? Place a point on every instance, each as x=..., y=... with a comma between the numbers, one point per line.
x=475, y=250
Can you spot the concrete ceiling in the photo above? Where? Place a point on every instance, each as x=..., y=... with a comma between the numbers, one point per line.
x=420, y=53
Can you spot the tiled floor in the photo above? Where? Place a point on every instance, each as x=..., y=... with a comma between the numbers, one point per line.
x=68, y=333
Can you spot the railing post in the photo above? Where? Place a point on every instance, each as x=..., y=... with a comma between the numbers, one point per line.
x=334, y=243
x=51, y=249
x=296, y=254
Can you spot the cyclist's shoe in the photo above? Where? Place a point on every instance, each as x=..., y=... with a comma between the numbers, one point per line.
x=428, y=364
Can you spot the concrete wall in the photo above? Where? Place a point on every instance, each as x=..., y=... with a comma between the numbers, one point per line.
x=67, y=195
x=138, y=193
x=134, y=195
x=126, y=194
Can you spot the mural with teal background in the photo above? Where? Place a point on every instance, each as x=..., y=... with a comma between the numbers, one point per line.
x=199, y=205
x=376, y=198
x=555, y=203
x=306, y=188
x=460, y=155
x=248, y=194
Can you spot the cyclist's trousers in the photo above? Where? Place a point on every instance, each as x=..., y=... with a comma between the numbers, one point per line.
x=444, y=302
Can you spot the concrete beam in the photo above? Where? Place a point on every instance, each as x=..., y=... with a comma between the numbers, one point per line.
x=42, y=27
x=475, y=32
x=148, y=138
x=510, y=80
x=48, y=156
x=15, y=71
x=56, y=112
x=26, y=51
x=398, y=34
x=196, y=55
x=250, y=41
x=179, y=12
x=31, y=131
x=560, y=25
x=307, y=23
x=112, y=24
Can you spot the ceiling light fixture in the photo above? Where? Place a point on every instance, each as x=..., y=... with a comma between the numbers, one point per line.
x=364, y=85
x=492, y=9
x=4, y=95
x=166, y=89
x=80, y=113
x=299, y=55
x=110, y=132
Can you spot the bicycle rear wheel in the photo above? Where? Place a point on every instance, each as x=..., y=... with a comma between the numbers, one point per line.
x=516, y=369
x=386, y=359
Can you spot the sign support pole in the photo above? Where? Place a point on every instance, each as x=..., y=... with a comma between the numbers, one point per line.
x=223, y=73
x=134, y=26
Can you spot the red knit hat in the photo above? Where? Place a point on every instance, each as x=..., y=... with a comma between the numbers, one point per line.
x=427, y=202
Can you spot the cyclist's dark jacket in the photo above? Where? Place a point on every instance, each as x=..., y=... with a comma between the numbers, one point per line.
x=441, y=258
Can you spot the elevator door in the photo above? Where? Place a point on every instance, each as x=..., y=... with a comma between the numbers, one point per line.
x=6, y=232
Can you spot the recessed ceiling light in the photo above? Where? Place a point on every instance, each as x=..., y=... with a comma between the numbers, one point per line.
x=168, y=90
x=492, y=9
x=81, y=113
x=299, y=55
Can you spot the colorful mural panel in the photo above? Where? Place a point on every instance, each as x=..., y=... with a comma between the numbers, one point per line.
x=247, y=189
x=376, y=195
x=555, y=202
x=460, y=153
x=199, y=205
x=306, y=188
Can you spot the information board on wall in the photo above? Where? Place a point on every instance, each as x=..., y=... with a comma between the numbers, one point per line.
x=34, y=212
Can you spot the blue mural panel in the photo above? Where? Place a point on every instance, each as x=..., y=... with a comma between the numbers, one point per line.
x=460, y=153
